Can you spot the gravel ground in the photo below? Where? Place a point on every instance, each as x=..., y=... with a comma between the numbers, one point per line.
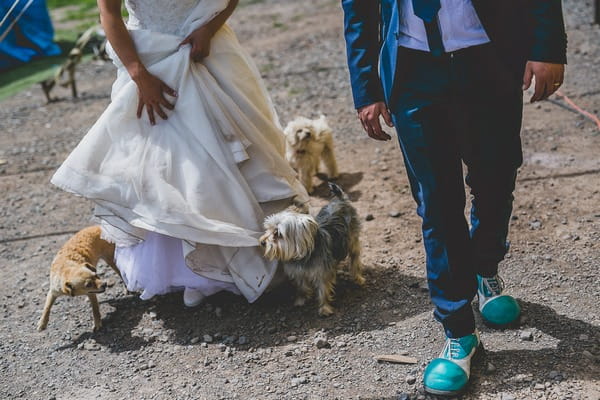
x=228, y=349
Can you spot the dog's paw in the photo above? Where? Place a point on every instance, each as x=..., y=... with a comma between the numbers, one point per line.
x=300, y=301
x=97, y=326
x=360, y=280
x=41, y=326
x=326, y=310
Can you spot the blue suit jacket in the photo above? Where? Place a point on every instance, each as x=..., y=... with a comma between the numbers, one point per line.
x=520, y=30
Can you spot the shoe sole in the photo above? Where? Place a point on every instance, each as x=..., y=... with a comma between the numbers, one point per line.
x=477, y=358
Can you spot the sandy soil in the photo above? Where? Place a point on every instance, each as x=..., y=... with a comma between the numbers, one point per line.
x=228, y=349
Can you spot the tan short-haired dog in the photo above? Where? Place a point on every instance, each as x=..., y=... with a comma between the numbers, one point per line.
x=73, y=271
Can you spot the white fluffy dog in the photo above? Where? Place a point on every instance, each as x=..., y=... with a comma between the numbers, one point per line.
x=308, y=141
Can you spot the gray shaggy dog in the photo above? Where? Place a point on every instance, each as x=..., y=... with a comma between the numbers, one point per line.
x=311, y=248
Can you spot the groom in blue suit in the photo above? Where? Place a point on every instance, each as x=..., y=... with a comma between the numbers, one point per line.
x=449, y=76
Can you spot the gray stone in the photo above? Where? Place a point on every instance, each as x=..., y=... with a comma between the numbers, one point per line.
x=410, y=379
x=526, y=335
x=507, y=396
x=195, y=340
x=218, y=312
x=322, y=343
x=292, y=338
x=369, y=217
x=243, y=340
x=207, y=338
x=395, y=214
x=299, y=381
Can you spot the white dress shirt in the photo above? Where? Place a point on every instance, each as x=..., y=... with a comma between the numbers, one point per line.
x=459, y=25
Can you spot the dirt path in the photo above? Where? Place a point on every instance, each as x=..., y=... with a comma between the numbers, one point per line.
x=228, y=349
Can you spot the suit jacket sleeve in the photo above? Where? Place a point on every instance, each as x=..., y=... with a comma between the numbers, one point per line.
x=361, y=30
x=549, y=37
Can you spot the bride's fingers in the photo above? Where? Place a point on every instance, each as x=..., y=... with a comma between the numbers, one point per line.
x=150, y=114
x=169, y=91
x=187, y=40
x=160, y=111
x=166, y=103
x=140, y=107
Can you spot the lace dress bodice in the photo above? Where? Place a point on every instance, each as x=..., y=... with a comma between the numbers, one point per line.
x=159, y=15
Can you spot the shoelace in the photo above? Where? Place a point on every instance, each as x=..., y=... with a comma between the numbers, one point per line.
x=452, y=348
x=494, y=284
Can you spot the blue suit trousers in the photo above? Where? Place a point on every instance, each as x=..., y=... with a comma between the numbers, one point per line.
x=454, y=112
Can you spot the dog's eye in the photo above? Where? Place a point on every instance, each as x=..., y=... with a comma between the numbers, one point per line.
x=89, y=284
x=299, y=131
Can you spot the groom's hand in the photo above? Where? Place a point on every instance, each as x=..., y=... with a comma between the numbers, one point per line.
x=369, y=118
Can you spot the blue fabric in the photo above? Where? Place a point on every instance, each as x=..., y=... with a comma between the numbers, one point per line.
x=426, y=9
x=443, y=118
x=31, y=37
x=520, y=30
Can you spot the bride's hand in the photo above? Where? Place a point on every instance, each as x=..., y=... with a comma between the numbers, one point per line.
x=200, y=42
x=151, y=92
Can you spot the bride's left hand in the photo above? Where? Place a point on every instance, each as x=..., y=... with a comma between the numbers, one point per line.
x=200, y=42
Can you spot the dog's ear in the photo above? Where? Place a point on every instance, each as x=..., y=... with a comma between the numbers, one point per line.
x=90, y=267
x=68, y=289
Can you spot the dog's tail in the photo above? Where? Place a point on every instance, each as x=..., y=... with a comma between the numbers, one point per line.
x=337, y=191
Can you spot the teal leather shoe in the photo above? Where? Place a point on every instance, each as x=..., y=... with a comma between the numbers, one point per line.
x=496, y=309
x=448, y=374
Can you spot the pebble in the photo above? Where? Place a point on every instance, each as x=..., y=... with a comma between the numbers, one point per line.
x=299, y=381
x=395, y=214
x=588, y=355
x=195, y=340
x=322, y=343
x=403, y=396
x=207, y=338
x=410, y=379
x=507, y=396
x=584, y=337
x=554, y=375
x=490, y=368
x=369, y=217
x=539, y=386
x=526, y=335
x=291, y=338
x=535, y=224
x=243, y=340
x=218, y=312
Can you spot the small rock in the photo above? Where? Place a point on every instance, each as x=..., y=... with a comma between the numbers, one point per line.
x=588, y=355
x=526, y=335
x=539, y=386
x=554, y=375
x=584, y=337
x=272, y=329
x=322, y=343
x=535, y=224
x=207, y=338
x=206, y=361
x=395, y=214
x=507, y=396
x=403, y=396
x=490, y=368
x=299, y=381
x=243, y=340
x=195, y=340
x=369, y=217
x=410, y=379
x=291, y=338
x=218, y=312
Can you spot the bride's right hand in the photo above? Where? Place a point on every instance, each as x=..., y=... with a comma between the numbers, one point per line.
x=151, y=92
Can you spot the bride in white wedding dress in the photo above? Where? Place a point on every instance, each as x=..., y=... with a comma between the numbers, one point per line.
x=188, y=158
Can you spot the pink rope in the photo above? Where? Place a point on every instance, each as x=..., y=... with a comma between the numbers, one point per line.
x=578, y=109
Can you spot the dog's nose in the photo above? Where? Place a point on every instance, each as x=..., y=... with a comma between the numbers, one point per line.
x=263, y=243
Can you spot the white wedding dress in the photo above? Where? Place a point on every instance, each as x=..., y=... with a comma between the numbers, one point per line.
x=184, y=200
